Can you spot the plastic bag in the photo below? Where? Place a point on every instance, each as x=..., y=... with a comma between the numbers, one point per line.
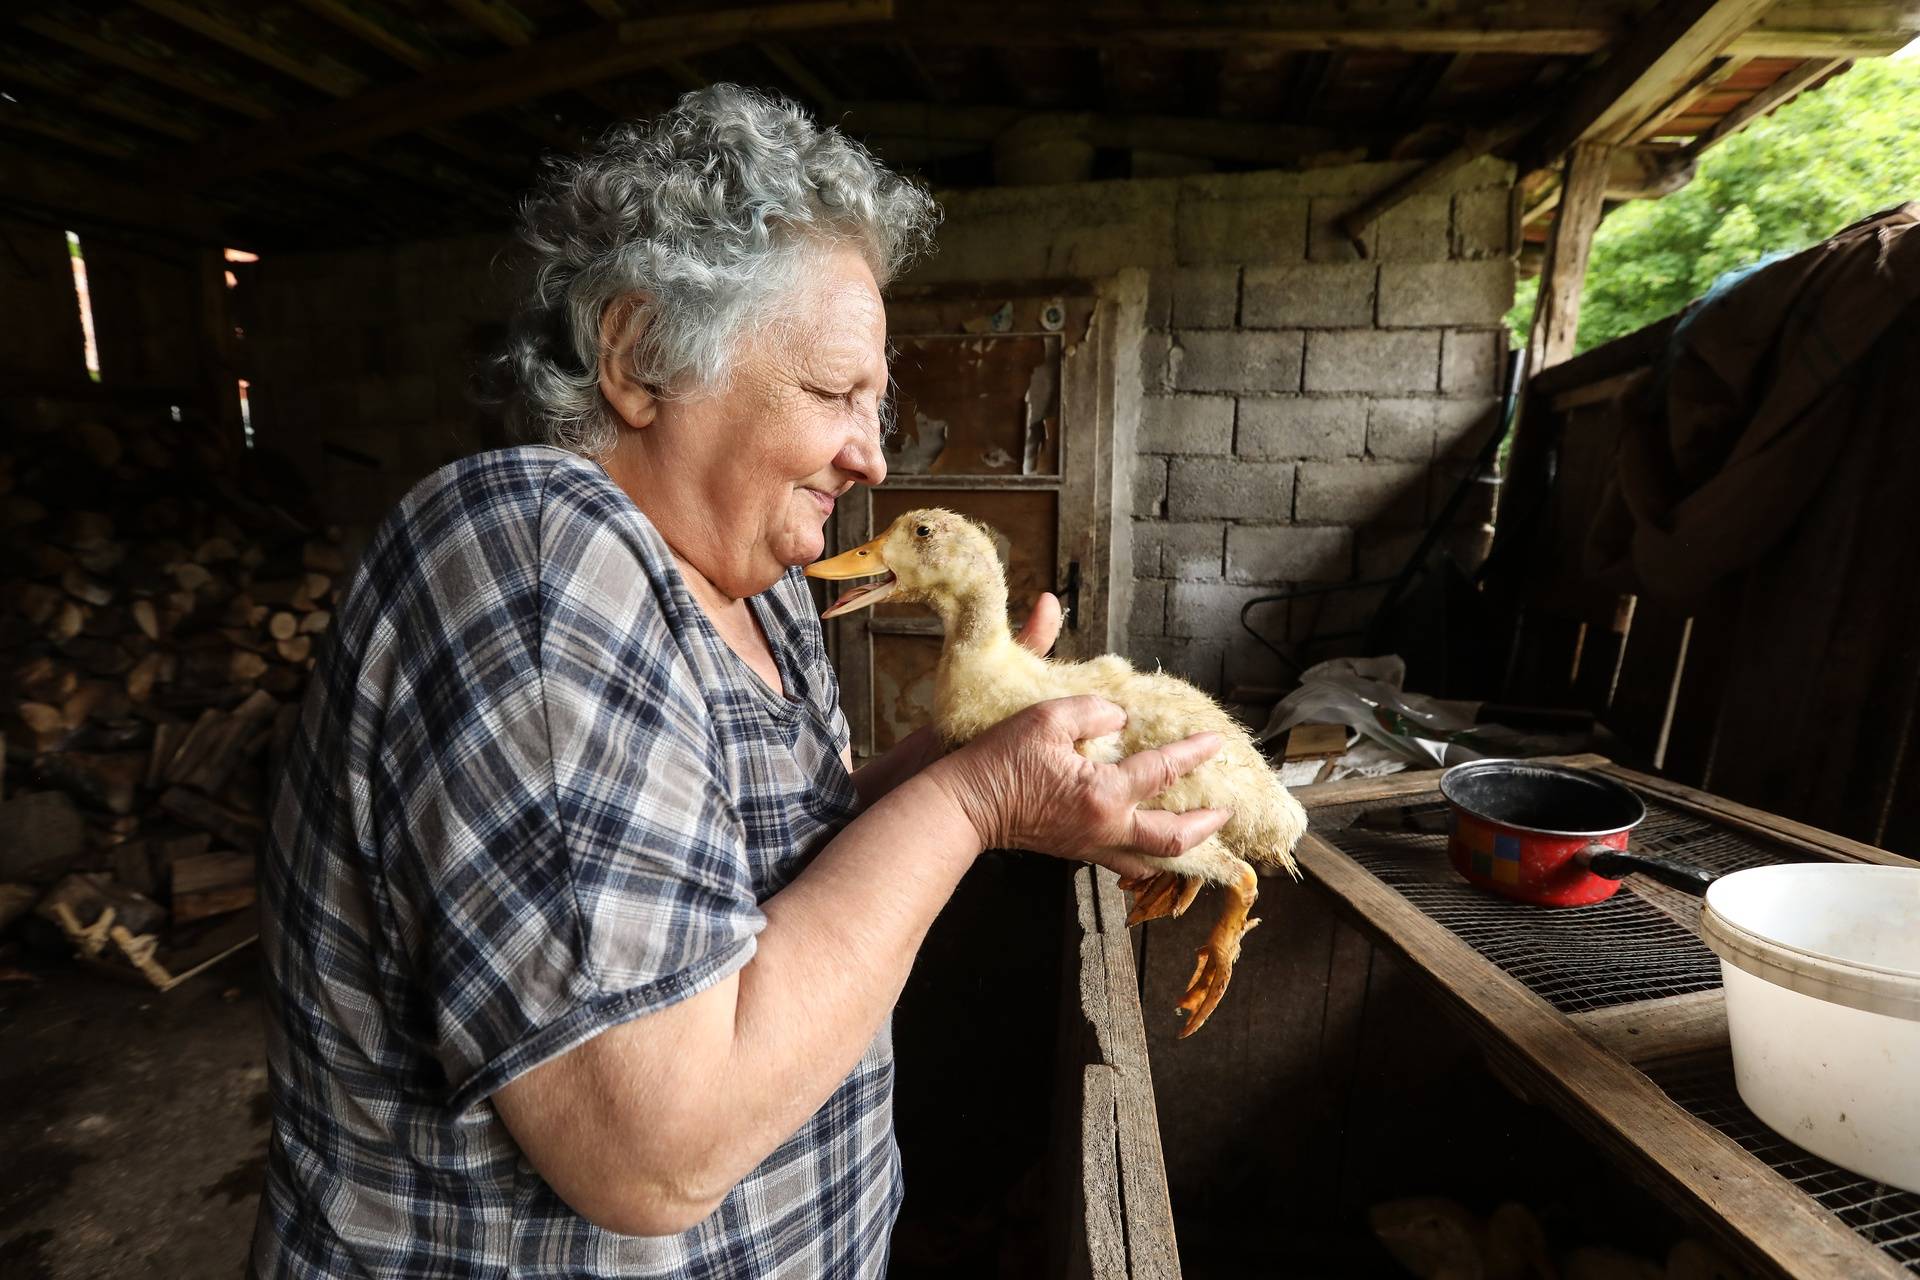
x=1366, y=694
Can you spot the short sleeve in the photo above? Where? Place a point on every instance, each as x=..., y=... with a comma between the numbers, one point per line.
x=574, y=860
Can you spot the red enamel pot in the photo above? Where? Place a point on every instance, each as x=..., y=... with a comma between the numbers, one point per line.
x=1551, y=836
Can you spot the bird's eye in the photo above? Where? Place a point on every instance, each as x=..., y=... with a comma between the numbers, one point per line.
x=924, y=531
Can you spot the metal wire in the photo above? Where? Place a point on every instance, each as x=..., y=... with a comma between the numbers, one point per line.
x=1884, y=1216
x=1623, y=951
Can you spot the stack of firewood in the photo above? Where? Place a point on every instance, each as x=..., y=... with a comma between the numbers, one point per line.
x=157, y=636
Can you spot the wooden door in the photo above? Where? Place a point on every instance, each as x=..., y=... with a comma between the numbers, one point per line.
x=1003, y=402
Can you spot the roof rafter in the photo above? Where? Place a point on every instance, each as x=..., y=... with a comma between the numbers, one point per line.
x=546, y=66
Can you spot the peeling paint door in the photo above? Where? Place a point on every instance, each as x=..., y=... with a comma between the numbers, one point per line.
x=1003, y=403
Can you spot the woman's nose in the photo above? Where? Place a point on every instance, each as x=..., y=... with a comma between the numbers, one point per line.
x=863, y=458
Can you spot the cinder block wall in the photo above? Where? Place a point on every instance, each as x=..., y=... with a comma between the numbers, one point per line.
x=1306, y=411
x=362, y=361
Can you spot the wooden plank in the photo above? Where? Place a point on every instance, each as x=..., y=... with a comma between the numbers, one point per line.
x=1708, y=78
x=1667, y=49
x=1765, y=1219
x=1106, y=1236
x=545, y=66
x=1774, y=96
x=1475, y=143
x=1412, y=783
x=1817, y=843
x=211, y=884
x=1655, y=1030
x=1152, y=1251
x=1558, y=316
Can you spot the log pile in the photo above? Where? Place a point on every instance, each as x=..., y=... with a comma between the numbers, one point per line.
x=163, y=601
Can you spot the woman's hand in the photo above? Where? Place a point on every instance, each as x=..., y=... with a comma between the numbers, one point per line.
x=923, y=746
x=1023, y=785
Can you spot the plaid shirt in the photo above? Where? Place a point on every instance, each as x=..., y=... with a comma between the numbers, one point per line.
x=533, y=796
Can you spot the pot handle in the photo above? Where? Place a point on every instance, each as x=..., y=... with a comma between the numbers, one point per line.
x=1616, y=864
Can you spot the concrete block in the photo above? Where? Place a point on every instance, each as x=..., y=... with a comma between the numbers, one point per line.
x=1186, y=424
x=1160, y=298
x=1155, y=351
x=1483, y=223
x=1309, y=295
x=1362, y=493
x=1371, y=360
x=1472, y=361
x=1482, y=498
x=1206, y=297
x=1240, y=230
x=1208, y=610
x=1458, y=293
x=1417, y=230
x=1284, y=553
x=1250, y=664
x=1145, y=240
x=1301, y=427
x=1192, y=551
x=1149, y=616
x=1206, y=361
x=1148, y=537
x=1425, y=428
x=1194, y=660
x=1462, y=427
x=1381, y=552
x=1149, y=488
x=1326, y=242
x=1229, y=489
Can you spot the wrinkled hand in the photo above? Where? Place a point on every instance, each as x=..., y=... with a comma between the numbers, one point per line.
x=1023, y=786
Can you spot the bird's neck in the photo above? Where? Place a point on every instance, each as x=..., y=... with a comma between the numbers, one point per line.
x=975, y=617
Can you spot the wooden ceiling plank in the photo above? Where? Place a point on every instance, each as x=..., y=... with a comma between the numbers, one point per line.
x=498, y=19
x=1771, y=98
x=378, y=27
x=251, y=39
x=1709, y=78
x=1669, y=49
x=166, y=73
x=120, y=100
x=74, y=133
x=547, y=66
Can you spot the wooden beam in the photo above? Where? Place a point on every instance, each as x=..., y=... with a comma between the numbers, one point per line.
x=1677, y=40
x=498, y=19
x=384, y=30
x=1557, y=314
x=1805, y=28
x=250, y=38
x=1475, y=144
x=167, y=72
x=119, y=99
x=546, y=66
x=1244, y=142
x=1676, y=106
x=1774, y=96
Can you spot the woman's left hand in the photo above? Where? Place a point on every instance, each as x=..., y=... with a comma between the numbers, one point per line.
x=923, y=746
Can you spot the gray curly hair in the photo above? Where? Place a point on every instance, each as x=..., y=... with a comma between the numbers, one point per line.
x=704, y=217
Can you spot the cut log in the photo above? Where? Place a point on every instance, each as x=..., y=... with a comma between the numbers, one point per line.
x=295, y=650
x=41, y=833
x=283, y=625
x=191, y=577
x=246, y=666
x=323, y=557
x=315, y=622
x=108, y=782
x=147, y=618
x=228, y=826
x=81, y=587
x=211, y=884
x=15, y=901
x=66, y=622
x=38, y=602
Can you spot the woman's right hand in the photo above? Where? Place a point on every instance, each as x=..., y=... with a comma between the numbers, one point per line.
x=1023, y=786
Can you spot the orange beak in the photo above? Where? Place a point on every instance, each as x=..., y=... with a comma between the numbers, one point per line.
x=862, y=562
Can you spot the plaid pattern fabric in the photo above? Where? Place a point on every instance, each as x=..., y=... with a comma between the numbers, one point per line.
x=533, y=796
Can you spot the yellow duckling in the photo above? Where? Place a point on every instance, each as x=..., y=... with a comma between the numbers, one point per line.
x=947, y=562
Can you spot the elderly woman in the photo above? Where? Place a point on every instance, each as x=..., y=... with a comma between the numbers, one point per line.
x=583, y=935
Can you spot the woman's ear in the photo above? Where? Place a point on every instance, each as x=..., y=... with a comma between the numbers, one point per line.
x=631, y=398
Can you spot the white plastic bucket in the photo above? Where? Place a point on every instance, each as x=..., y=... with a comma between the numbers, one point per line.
x=1821, y=963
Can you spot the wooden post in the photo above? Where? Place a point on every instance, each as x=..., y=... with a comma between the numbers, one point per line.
x=1557, y=313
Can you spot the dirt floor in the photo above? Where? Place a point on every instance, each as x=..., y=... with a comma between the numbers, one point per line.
x=133, y=1124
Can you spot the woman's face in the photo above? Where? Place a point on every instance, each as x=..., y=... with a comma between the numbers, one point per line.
x=741, y=482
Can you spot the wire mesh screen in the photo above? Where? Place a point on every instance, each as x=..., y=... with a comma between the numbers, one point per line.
x=1620, y=951
x=1882, y=1215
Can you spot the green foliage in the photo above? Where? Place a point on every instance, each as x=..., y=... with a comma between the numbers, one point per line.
x=1829, y=158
